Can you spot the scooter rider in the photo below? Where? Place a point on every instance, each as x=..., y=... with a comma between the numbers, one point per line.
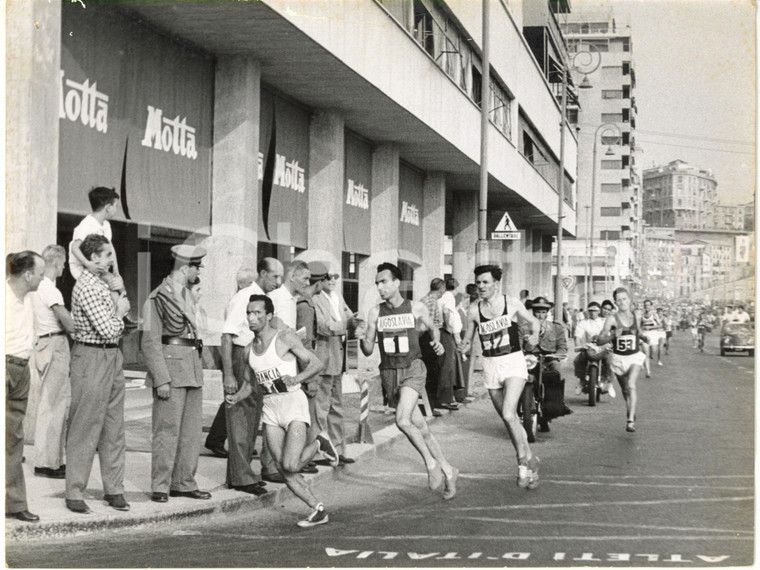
x=586, y=335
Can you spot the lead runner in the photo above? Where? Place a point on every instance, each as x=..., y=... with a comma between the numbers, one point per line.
x=398, y=323
x=503, y=360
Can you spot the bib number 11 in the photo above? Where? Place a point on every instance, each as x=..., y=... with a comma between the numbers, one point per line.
x=396, y=344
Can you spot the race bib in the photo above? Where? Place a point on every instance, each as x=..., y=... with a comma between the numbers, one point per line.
x=271, y=381
x=499, y=324
x=391, y=323
x=396, y=344
x=625, y=343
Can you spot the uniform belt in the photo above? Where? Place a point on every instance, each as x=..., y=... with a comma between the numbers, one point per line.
x=10, y=359
x=178, y=340
x=59, y=333
x=97, y=344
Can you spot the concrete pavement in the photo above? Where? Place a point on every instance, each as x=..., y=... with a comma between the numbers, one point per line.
x=46, y=496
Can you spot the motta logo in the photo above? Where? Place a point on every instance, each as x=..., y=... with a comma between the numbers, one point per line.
x=357, y=195
x=410, y=214
x=287, y=173
x=83, y=102
x=169, y=135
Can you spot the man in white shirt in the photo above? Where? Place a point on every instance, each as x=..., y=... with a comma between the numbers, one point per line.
x=51, y=386
x=284, y=298
x=740, y=315
x=586, y=333
x=26, y=270
x=242, y=420
x=451, y=338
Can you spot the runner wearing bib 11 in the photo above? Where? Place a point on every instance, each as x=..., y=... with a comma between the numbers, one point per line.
x=397, y=323
x=503, y=361
x=622, y=329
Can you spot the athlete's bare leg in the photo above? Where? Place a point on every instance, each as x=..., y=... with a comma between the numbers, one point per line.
x=410, y=421
x=628, y=387
x=287, y=449
x=505, y=401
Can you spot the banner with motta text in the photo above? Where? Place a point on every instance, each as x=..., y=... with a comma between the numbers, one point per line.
x=357, y=196
x=136, y=113
x=410, y=196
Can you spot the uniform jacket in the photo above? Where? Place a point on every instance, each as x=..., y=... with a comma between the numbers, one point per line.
x=168, y=363
x=330, y=334
x=553, y=340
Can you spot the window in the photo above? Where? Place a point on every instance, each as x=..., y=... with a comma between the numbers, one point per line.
x=572, y=116
x=626, y=139
x=609, y=235
x=626, y=67
x=626, y=91
x=626, y=44
x=612, y=188
x=501, y=115
x=626, y=115
x=612, y=118
x=423, y=28
x=612, y=93
x=477, y=86
x=610, y=211
x=611, y=165
x=350, y=278
x=626, y=160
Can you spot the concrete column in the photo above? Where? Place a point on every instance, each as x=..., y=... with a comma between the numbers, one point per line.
x=385, y=219
x=235, y=203
x=433, y=229
x=384, y=211
x=33, y=63
x=326, y=182
x=464, y=227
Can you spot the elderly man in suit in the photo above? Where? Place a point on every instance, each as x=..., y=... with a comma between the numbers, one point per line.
x=172, y=350
x=334, y=319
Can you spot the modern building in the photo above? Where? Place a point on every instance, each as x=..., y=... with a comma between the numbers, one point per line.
x=601, y=55
x=346, y=131
x=680, y=196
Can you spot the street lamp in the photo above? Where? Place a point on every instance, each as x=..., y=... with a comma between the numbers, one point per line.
x=585, y=69
x=604, y=128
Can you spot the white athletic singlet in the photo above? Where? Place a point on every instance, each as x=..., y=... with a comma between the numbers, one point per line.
x=269, y=368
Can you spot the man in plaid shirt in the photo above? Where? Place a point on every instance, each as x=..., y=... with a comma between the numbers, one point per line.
x=96, y=417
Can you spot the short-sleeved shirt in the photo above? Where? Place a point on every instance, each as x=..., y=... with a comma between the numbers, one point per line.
x=447, y=303
x=434, y=310
x=19, y=324
x=284, y=306
x=89, y=225
x=44, y=299
x=236, y=321
x=94, y=312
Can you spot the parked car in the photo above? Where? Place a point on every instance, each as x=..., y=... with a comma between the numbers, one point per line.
x=737, y=337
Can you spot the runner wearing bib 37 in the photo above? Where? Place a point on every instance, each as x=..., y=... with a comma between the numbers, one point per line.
x=397, y=322
x=622, y=329
x=503, y=362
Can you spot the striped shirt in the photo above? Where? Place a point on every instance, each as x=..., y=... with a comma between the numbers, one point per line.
x=94, y=312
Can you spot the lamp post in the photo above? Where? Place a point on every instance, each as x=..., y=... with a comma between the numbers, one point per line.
x=604, y=127
x=561, y=175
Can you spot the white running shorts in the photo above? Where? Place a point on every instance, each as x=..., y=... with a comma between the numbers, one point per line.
x=621, y=363
x=281, y=409
x=498, y=368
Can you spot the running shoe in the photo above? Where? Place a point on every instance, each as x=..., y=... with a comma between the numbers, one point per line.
x=533, y=472
x=611, y=390
x=328, y=449
x=522, y=476
x=318, y=516
x=630, y=425
x=578, y=389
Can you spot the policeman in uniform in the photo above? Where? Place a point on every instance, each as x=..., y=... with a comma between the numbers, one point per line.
x=172, y=353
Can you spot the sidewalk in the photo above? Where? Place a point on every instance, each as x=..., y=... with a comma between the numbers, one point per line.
x=46, y=496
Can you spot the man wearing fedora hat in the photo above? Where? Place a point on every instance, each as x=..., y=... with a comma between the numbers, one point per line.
x=172, y=351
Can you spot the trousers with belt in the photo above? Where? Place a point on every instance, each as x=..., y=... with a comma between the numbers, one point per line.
x=16, y=394
x=52, y=401
x=96, y=420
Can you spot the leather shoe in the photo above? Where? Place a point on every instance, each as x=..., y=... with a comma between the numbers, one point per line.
x=310, y=468
x=273, y=478
x=343, y=460
x=24, y=516
x=159, y=498
x=449, y=406
x=437, y=414
x=77, y=506
x=59, y=473
x=197, y=494
x=218, y=451
x=254, y=489
x=118, y=502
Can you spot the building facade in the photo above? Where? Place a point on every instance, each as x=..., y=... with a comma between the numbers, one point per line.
x=681, y=196
x=604, y=113
x=342, y=131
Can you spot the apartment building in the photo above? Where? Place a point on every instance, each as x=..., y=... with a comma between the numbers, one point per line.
x=678, y=195
x=601, y=55
x=344, y=131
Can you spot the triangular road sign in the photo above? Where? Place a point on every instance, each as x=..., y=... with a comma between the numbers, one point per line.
x=505, y=224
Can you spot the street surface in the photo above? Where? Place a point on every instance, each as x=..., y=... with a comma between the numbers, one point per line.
x=678, y=492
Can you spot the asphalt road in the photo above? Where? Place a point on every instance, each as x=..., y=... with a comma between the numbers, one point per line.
x=678, y=492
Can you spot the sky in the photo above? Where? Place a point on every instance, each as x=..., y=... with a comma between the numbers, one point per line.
x=695, y=91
